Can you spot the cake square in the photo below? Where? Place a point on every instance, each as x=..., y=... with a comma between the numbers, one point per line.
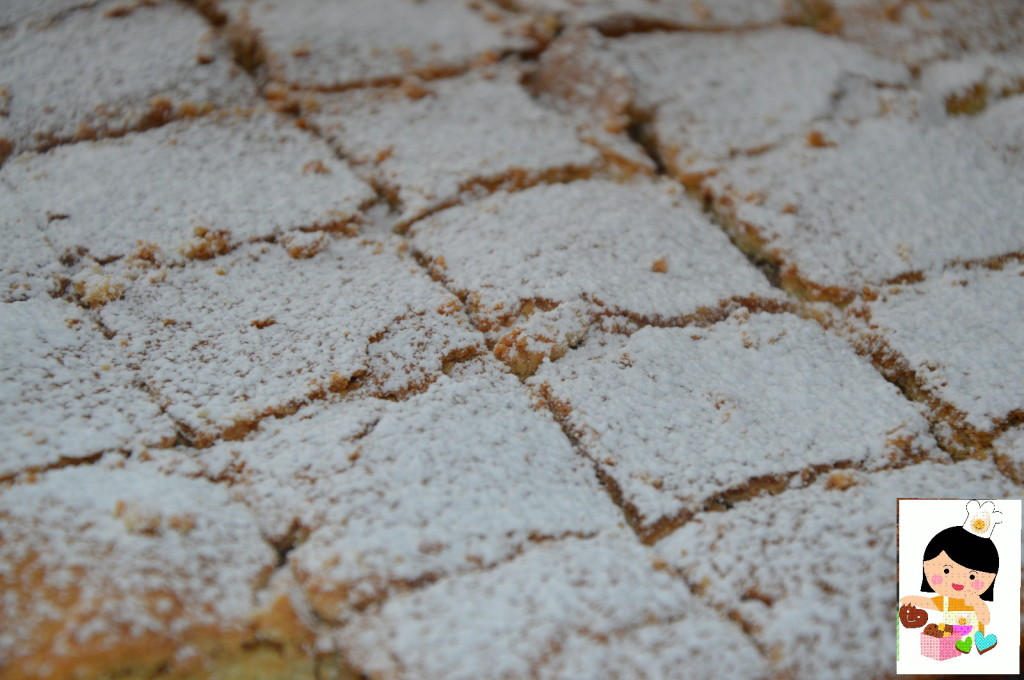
x=538, y=267
x=954, y=342
x=694, y=644
x=877, y=202
x=66, y=392
x=701, y=99
x=682, y=419
x=916, y=33
x=615, y=17
x=259, y=332
x=188, y=190
x=811, y=566
x=329, y=45
x=430, y=146
x=377, y=497
x=17, y=11
x=553, y=604
x=69, y=80
x=115, y=571
x=29, y=267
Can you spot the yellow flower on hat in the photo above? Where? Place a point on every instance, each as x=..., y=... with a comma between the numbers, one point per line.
x=982, y=518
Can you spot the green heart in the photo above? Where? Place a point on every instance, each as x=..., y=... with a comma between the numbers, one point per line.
x=963, y=645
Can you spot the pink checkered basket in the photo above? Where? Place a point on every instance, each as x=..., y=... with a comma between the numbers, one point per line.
x=939, y=649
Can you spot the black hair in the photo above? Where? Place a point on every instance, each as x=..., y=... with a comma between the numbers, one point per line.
x=967, y=550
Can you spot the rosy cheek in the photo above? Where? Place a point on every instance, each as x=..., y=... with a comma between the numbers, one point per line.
x=936, y=580
x=978, y=585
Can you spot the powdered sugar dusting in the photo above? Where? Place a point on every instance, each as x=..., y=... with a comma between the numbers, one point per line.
x=959, y=332
x=871, y=202
x=430, y=145
x=238, y=178
x=919, y=32
x=804, y=578
x=327, y=44
x=1002, y=127
x=506, y=622
x=712, y=96
x=65, y=392
x=658, y=650
x=545, y=262
x=29, y=267
x=17, y=11
x=258, y=332
x=689, y=14
x=458, y=478
x=95, y=557
x=678, y=416
x=70, y=80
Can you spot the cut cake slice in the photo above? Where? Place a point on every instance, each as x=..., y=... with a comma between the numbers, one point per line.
x=429, y=145
x=113, y=572
x=701, y=99
x=460, y=478
x=259, y=333
x=537, y=267
x=682, y=419
x=69, y=80
x=330, y=45
x=556, y=604
x=66, y=392
x=788, y=567
x=876, y=202
x=954, y=342
x=189, y=190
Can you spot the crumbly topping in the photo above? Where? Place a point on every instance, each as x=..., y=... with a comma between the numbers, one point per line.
x=539, y=265
x=187, y=190
x=800, y=577
x=70, y=79
x=456, y=136
x=676, y=418
x=94, y=558
x=333, y=45
x=555, y=598
x=353, y=314
x=65, y=390
x=871, y=202
x=967, y=86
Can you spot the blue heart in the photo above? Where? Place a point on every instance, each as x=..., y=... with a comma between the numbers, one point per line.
x=984, y=642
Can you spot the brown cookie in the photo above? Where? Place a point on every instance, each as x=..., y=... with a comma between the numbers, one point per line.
x=912, y=617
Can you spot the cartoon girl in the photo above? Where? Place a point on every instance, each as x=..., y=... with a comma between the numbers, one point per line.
x=960, y=565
